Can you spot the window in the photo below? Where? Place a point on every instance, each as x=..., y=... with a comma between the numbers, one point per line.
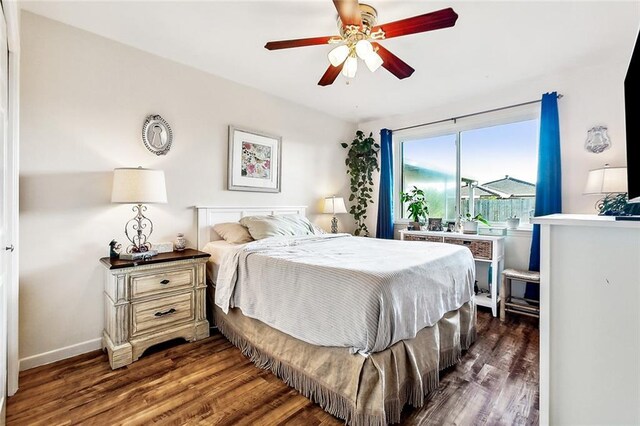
x=430, y=164
x=475, y=167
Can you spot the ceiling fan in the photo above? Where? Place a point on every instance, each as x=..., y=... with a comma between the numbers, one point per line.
x=359, y=37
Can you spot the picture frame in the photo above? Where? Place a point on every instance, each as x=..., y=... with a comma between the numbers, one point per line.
x=435, y=224
x=451, y=227
x=254, y=161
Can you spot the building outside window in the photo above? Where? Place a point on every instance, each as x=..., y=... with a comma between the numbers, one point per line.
x=476, y=167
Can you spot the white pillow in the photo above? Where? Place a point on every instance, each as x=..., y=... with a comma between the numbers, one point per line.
x=281, y=225
x=233, y=232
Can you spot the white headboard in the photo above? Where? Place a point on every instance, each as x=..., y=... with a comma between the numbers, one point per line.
x=209, y=216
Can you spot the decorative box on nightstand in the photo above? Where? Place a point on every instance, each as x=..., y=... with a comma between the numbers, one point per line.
x=152, y=301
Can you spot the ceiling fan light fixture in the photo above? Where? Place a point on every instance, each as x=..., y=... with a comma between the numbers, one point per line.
x=350, y=67
x=338, y=54
x=373, y=61
x=364, y=49
x=359, y=37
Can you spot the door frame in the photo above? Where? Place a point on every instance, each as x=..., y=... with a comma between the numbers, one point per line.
x=11, y=11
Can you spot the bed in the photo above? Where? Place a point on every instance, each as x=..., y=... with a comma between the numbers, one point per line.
x=360, y=326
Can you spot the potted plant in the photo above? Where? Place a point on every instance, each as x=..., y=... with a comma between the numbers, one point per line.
x=361, y=162
x=513, y=222
x=613, y=205
x=470, y=224
x=417, y=207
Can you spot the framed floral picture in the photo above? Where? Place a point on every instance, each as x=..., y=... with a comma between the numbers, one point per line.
x=254, y=161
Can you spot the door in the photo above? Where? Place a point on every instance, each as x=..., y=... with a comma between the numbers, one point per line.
x=5, y=255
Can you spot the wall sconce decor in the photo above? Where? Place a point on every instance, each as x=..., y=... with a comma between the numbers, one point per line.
x=157, y=135
x=597, y=140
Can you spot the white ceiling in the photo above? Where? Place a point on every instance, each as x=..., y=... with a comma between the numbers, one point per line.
x=494, y=44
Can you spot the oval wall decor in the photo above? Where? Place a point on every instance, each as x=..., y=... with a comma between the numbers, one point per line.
x=157, y=135
x=597, y=140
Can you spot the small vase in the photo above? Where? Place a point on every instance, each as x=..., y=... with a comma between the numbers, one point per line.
x=470, y=227
x=181, y=243
x=513, y=223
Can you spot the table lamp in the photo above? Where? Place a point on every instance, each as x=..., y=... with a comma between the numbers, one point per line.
x=334, y=205
x=138, y=186
x=606, y=181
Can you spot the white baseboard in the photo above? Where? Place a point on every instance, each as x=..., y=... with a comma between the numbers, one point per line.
x=60, y=354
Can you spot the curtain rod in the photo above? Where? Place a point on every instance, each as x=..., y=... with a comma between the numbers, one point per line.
x=454, y=119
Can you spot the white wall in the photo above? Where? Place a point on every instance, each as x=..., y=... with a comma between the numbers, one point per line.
x=84, y=100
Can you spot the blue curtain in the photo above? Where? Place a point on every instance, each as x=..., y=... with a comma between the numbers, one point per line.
x=384, y=228
x=549, y=182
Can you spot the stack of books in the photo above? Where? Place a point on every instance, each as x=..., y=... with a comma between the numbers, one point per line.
x=138, y=255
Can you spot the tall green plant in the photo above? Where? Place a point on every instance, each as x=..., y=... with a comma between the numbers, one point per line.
x=361, y=161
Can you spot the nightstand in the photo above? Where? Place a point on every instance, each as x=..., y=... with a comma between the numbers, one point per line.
x=152, y=301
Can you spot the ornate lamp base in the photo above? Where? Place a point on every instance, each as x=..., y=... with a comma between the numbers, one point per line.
x=334, y=225
x=134, y=230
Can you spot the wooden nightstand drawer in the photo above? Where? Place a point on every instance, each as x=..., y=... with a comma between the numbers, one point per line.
x=161, y=313
x=161, y=282
x=479, y=249
x=429, y=238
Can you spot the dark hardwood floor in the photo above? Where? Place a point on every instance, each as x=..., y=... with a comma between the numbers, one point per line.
x=211, y=382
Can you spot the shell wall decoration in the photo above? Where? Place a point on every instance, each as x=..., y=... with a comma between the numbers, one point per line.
x=597, y=140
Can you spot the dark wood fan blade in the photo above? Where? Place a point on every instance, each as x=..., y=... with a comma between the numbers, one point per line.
x=349, y=12
x=299, y=42
x=392, y=63
x=444, y=18
x=330, y=75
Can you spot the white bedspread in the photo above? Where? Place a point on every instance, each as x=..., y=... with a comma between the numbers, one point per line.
x=338, y=290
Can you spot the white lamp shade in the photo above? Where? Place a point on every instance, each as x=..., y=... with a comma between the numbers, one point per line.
x=338, y=54
x=364, y=49
x=138, y=186
x=606, y=180
x=350, y=67
x=373, y=61
x=334, y=205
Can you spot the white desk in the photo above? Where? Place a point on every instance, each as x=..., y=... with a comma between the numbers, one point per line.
x=485, y=248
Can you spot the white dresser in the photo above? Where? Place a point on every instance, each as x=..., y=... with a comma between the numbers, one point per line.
x=484, y=248
x=589, y=320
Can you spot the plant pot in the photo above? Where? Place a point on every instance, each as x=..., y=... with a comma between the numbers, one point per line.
x=513, y=223
x=469, y=227
x=415, y=226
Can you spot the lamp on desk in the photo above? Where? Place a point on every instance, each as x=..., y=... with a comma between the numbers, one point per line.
x=610, y=182
x=334, y=205
x=138, y=186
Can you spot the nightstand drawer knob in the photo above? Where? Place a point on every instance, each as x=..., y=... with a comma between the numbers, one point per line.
x=165, y=282
x=161, y=314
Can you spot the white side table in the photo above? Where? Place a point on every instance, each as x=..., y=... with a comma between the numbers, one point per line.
x=484, y=248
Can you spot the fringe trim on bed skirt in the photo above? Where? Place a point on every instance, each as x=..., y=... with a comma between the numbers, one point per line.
x=450, y=357
x=330, y=401
x=466, y=340
x=410, y=392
